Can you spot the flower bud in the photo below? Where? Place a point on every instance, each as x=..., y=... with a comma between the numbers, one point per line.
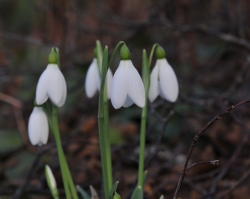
x=51, y=181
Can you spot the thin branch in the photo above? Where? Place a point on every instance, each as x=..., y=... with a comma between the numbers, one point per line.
x=213, y=162
x=197, y=136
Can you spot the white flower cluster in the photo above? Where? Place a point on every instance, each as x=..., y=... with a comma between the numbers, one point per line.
x=127, y=86
x=51, y=85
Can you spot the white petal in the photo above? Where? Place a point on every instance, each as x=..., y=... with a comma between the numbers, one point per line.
x=136, y=90
x=92, y=82
x=154, y=81
x=61, y=103
x=168, y=81
x=160, y=91
x=119, y=87
x=109, y=78
x=43, y=85
x=38, y=127
x=57, y=84
x=128, y=102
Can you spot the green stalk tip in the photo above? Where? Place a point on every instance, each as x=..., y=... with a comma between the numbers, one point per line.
x=124, y=53
x=52, y=59
x=160, y=53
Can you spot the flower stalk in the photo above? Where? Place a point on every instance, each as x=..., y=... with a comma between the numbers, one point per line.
x=69, y=186
x=102, y=127
x=103, y=116
x=146, y=80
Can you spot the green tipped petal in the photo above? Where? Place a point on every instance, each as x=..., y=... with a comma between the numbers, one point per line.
x=160, y=53
x=52, y=59
x=124, y=53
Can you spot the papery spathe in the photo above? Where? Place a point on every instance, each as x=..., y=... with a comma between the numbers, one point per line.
x=163, y=82
x=38, y=128
x=127, y=86
x=93, y=80
x=50, y=177
x=51, y=84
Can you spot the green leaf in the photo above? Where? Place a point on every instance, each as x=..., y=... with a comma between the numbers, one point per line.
x=99, y=52
x=113, y=190
x=83, y=193
x=138, y=193
x=162, y=197
x=145, y=70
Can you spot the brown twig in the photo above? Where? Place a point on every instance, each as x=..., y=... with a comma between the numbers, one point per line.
x=197, y=136
x=213, y=162
x=233, y=157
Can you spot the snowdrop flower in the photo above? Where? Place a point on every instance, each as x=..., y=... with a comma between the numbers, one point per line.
x=163, y=80
x=38, y=128
x=51, y=84
x=51, y=181
x=127, y=86
x=93, y=80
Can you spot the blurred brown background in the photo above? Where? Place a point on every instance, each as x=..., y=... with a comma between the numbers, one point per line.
x=206, y=43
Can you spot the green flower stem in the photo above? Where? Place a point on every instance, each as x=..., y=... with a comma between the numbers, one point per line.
x=60, y=152
x=102, y=127
x=106, y=145
x=70, y=180
x=113, y=54
x=151, y=54
x=67, y=178
x=103, y=117
x=107, y=137
x=142, y=145
x=106, y=123
x=146, y=80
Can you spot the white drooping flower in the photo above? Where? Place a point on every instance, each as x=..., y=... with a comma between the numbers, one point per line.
x=163, y=82
x=38, y=128
x=93, y=80
x=51, y=84
x=127, y=86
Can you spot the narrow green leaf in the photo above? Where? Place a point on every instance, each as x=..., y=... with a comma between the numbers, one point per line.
x=145, y=70
x=99, y=52
x=138, y=193
x=113, y=190
x=83, y=193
